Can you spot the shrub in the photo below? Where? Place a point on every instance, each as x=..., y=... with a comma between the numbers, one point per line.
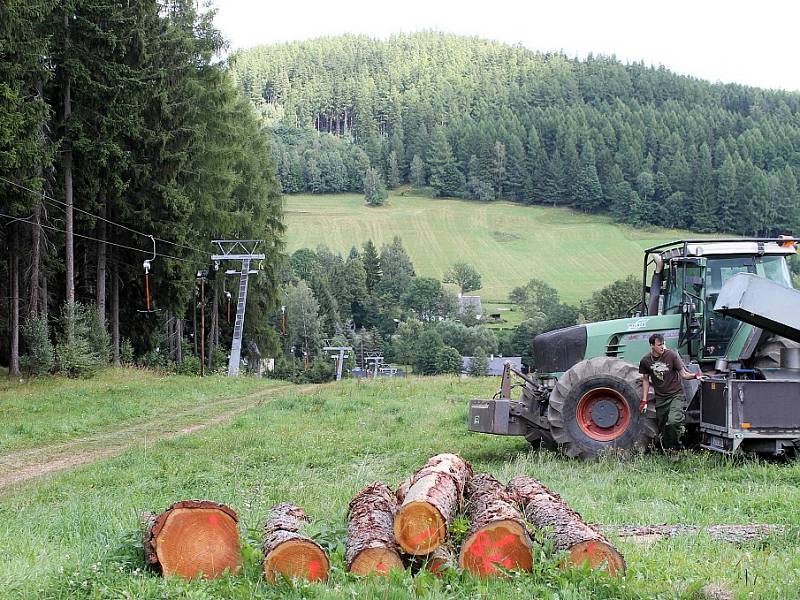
x=75, y=355
x=40, y=357
x=126, y=352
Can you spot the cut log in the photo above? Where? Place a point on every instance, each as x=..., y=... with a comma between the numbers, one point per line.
x=193, y=538
x=370, y=547
x=437, y=562
x=565, y=527
x=497, y=540
x=288, y=552
x=433, y=496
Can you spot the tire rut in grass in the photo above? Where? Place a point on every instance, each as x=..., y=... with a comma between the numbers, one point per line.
x=17, y=467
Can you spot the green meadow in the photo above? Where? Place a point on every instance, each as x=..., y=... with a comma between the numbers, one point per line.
x=508, y=243
x=76, y=534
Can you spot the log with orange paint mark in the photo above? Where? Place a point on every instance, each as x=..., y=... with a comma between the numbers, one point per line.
x=371, y=548
x=193, y=538
x=289, y=553
x=428, y=503
x=497, y=540
x=565, y=528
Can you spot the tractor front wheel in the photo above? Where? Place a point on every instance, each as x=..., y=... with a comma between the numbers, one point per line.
x=594, y=408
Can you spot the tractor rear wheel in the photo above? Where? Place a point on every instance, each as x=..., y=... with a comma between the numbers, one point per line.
x=594, y=408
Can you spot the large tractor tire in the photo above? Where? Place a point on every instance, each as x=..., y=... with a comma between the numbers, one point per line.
x=768, y=355
x=594, y=409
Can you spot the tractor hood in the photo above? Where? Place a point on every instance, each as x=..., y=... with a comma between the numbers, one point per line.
x=556, y=351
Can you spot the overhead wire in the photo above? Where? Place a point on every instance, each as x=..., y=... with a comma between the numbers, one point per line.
x=94, y=239
x=109, y=221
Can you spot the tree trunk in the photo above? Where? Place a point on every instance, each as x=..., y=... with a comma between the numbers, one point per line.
x=100, y=291
x=36, y=254
x=178, y=340
x=565, y=527
x=36, y=231
x=213, y=335
x=115, y=341
x=13, y=271
x=44, y=298
x=289, y=553
x=370, y=544
x=193, y=538
x=69, y=261
x=497, y=540
x=434, y=495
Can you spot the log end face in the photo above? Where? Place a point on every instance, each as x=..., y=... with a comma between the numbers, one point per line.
x=598, y=554
x=498, y=547
x=376, y=561
x=301, y=559
x=419, y=528
x=201, y=542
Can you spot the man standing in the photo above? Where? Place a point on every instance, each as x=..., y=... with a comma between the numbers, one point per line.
x=665, y=369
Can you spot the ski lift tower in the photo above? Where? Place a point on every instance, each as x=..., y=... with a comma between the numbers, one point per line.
x=244, y=251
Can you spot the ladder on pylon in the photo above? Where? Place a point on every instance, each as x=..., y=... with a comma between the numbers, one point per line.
x=244, y=251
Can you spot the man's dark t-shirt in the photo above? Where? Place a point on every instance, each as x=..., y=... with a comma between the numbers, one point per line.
x=664, y=372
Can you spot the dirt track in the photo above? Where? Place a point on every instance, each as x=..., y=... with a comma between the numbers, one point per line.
x=17, y=467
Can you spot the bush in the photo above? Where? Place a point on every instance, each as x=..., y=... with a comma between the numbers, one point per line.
x=189, y=366
x=98, y=336
x=40, y=357
x=126, y=352
x=479, y=365
x=75, y=355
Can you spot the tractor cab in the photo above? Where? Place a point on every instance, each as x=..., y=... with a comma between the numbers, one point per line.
x=687, y=276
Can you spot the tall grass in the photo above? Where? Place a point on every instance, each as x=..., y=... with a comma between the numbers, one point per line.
x=76, y=535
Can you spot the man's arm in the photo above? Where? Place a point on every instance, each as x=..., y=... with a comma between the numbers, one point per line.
x=689, y=375
x=645, y=392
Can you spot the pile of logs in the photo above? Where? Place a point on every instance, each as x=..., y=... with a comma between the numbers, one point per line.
x=502, y=520
x=391, y=530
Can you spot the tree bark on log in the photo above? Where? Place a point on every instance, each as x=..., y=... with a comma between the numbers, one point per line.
x=497, y=540
x=434, y=495
x=566, y=528
x=371, y=547
x=288, y=552
x=193, y=538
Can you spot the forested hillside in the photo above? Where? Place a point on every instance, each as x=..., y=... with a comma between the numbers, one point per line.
x=485, y=120
x=118, y=123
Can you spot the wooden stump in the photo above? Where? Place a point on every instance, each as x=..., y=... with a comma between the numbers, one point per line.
x=497, y=539
x=567, y=530
x=193, y=538
x=370, y=544
x=289, y=553
x=428, y=504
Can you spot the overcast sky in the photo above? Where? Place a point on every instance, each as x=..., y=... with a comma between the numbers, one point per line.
x=751, y=42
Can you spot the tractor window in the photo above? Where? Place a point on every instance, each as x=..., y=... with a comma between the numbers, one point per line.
x=719, y=329
x=674, y=278
x=775, y=269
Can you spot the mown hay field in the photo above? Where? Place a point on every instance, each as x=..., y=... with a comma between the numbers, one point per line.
x=508, y=243
x=75, y=534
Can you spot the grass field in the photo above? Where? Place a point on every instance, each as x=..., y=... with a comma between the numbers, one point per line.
x=508, y=243
x=76, y=534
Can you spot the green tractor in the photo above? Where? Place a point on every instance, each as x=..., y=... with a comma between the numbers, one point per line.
x=709, y=301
